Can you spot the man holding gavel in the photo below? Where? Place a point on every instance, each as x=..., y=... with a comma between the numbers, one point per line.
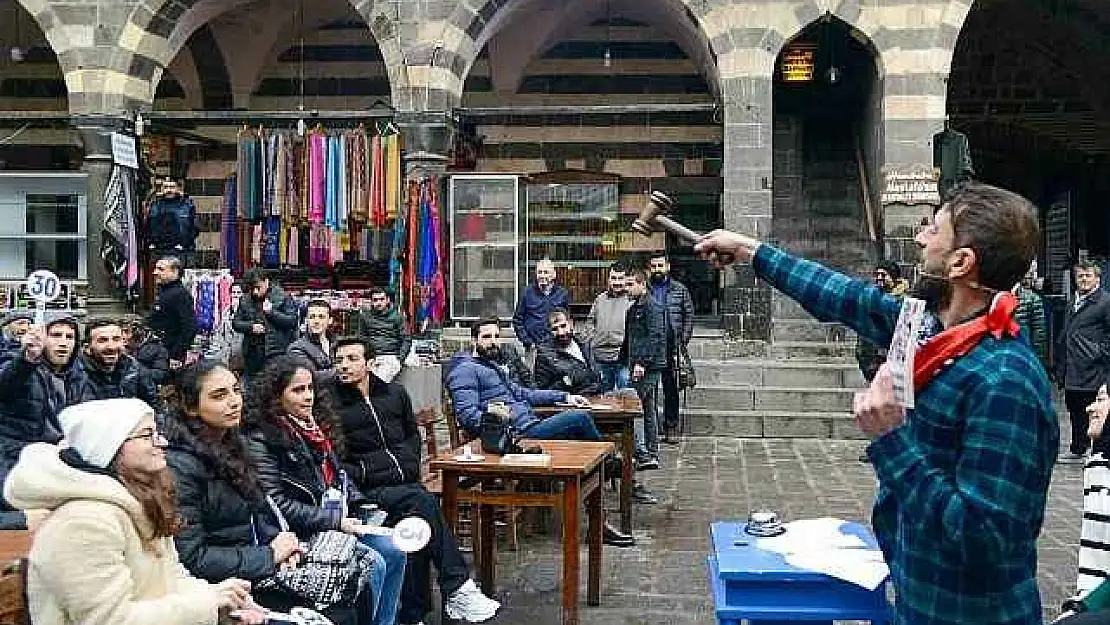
x=964, y=473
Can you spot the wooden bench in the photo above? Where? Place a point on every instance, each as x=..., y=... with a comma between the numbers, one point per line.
x=14, y=547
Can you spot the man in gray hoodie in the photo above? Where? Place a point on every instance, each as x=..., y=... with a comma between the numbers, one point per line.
x=605, y=329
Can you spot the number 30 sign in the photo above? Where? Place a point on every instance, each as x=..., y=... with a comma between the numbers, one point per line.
x=43, y=286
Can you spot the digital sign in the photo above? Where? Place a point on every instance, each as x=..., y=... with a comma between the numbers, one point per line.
x=797, y=62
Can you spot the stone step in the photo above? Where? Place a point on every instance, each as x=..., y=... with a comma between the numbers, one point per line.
x=771, y=424
x=810, y=350
x=757, y=372
x=774, y=398
x=809, y=330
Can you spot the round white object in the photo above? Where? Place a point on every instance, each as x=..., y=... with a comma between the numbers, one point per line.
x=412, y=534
x=43, y=286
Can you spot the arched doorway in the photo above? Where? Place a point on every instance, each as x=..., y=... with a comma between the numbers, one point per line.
x=617, y=91
x=827, y=146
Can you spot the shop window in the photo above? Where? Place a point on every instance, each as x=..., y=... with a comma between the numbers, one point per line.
x=41, y=229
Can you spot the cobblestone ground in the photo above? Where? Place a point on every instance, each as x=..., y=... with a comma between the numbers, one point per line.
x=663, y=579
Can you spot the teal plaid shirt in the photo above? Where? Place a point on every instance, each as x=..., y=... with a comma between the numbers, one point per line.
x=963, y=482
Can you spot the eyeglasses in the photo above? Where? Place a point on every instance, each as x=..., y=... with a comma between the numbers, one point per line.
x=154, y=436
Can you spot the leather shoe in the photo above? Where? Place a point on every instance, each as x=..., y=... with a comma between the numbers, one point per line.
x=670, y=437
x=614, y=537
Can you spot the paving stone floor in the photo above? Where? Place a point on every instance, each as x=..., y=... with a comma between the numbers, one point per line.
x=663, y=580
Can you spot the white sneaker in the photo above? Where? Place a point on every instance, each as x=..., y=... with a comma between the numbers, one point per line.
x=469, y=604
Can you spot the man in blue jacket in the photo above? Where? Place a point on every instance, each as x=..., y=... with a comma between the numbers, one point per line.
x=538, y=301
x=475, y=380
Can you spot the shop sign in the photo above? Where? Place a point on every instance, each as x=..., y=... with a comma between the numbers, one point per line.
x=798, y=62
x=910, y=185
x=123, y=151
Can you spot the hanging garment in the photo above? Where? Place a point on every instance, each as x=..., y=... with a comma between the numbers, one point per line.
x=358, y=202
x=294, y=258
x=256, y=244
x=377, y=184
x=280, y=205
x=344, y=184
x=118, y=249
x=317, y=175
x=271, y=243
x=400, y=242
x=437, y=305
x=410, y=249
x=334, y=173
x=229, y=219
x=205, y=307
x=392, y=177
x=319, y=246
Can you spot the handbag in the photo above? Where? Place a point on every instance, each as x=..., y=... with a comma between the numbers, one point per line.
x=687, y=378
x=496, y=431
x=333, y=570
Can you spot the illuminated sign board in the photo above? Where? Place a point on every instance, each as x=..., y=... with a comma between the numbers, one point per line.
x=797, y=62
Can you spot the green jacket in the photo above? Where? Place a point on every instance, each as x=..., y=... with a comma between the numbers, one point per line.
x=385, y=332
x=1030, y=316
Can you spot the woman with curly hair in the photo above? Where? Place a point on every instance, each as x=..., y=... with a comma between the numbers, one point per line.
x=295, y=442
x=229, y=529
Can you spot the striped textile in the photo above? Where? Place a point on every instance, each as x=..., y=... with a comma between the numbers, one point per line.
x=1094, y=537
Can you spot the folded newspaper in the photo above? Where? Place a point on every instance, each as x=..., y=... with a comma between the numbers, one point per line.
x=821, y=545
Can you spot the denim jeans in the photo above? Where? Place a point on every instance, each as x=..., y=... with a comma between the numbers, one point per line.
x=386, y=579
x=614, y=375
x=647, y=429
x=574, y=425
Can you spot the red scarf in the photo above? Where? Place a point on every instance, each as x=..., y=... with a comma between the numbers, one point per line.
x=959, y=340
x=317, y=440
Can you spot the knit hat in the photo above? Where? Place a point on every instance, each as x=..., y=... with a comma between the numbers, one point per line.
x=16, y=315
x=97, y=429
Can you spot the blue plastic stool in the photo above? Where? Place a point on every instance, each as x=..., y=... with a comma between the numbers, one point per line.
x=760, y=587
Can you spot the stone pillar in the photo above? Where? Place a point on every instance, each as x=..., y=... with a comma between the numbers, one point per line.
x=747, y=200
x=95, y=136
x=427, y=140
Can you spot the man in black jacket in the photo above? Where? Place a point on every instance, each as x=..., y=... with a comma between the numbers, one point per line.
x=679, y=306
x=564, y=364
x=267, y=319
x=172, y=316
x=109, y=370
x=12, y=329
x=1084, y=354
x=383, y=458
x=644, y=352
x=314, y=348
x=383, y=327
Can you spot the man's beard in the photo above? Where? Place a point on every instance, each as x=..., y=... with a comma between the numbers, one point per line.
x=563, y=341
x=489, y=353
x=934, y=290
x=658, y=277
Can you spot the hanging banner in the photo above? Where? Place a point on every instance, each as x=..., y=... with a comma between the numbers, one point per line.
x=910, y=184
x=124, y=151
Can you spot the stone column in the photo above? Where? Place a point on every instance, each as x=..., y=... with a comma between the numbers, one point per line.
x=95, y=135
x=747, y=200
x=427, y=140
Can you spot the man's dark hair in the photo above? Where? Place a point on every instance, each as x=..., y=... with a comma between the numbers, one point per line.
x=659, y=254
x=174, y=263
x=890, y=267
x=1089, y=265
x=1000, y=226
x=639, y=275
x=318, y=303
x=100, y=322
x=476, y=327
x=555, y=314
x=378, y=291
x=367, y=348
x=618, y=267
x=253, y=276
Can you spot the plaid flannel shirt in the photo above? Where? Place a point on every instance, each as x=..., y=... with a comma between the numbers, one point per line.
x=963, y=482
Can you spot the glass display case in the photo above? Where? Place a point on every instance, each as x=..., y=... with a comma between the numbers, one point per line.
x=486, y=224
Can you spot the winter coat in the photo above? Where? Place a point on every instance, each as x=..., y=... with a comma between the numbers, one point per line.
x=127, y=379
x=155, y=359
x=218, y=541
x=558, y=370
x=1084, y=353
x=173, y=318
x=383, y=444
x=173, y=224
x=645, y=335
x=475, y=382
x=1031, y=317
x=281, y=328
x=289, y=472
x=31, y=396
x=311, y=352
x=385, y=332
x=605, y=326
x=94, y=560
x=530, y=318
x=9, y=348
x=513, y=361
x=680, y=311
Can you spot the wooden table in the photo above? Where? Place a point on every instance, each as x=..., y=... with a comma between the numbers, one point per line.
x=618, y=417
x=575, y=476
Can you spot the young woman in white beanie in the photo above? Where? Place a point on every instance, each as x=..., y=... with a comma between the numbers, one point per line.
x=105, y=554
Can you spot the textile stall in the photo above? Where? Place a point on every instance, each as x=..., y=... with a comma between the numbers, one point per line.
x=215, y=299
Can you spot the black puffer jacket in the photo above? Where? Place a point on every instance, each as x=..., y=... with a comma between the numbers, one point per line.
x=385, y=332
x=289, y=471
x=680, y=311
x=383, y=444
x=645, y=335
x=218, y=541
x=558, y=370
x=173, y=318
x=31, y=396
x=280, y=322
x=127, y=379
x=155, y=359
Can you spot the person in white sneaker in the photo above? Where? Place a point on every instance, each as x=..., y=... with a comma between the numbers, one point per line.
x=382, y=456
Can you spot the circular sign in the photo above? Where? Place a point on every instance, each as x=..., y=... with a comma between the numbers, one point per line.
x=411, y=534
x=43, y=286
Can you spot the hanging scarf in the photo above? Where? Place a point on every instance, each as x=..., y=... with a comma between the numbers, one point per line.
x=377, y=184
x=317, y=441
x=392, y=177
x=229, y=231
x=957, y=341
x=334, y=185
x=317, y=174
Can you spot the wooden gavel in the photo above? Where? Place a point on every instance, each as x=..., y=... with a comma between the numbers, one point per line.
x=654, y=216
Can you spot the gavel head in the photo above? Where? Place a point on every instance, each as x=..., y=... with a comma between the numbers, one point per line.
x=658, y=204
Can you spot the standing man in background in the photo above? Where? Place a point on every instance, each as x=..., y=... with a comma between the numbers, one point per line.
x=605, y=329
x=537, y=302
x=1083, y=358
x=1030, y=316
x=675, y=298
x=267, y=319
x=173, y=317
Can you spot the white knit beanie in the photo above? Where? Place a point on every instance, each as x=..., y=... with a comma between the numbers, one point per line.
x=97, y=429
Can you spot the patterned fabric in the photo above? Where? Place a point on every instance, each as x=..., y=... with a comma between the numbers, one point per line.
x=118, y=247
x=1094, y=537
x=963, y=482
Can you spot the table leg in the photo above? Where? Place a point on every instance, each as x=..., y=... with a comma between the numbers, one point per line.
x=487, y=562
x=628, y=438
x=451, y=499
x=597, y=519
x=571, y=523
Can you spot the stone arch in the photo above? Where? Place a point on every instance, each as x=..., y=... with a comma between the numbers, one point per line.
x=44, y=16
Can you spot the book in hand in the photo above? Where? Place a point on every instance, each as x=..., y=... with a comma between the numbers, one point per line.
x=527, y=460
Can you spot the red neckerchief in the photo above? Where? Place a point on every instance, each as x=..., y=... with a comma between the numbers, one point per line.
x=317, y=440
x=959, y=340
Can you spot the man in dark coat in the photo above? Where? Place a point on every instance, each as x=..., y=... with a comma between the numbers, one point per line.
x=12, y=329
x=675, y=298
x=536, y=303
x=314, y=348
x=267, y=319
x=383, y=326
x=146, y=346
x=383, y=458
x=1084, y=354
x=172, y=317
x=644, y=352
x=110, y=371
x=565, y=364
